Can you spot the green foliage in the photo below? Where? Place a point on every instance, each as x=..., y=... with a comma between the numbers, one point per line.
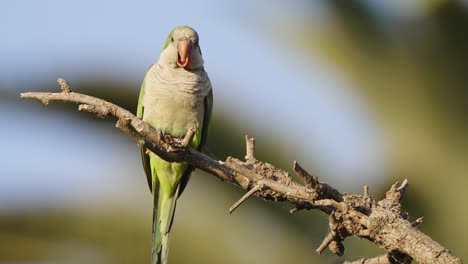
x=412, y=72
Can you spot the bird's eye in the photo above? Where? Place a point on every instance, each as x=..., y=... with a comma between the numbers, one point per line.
x=172, y=39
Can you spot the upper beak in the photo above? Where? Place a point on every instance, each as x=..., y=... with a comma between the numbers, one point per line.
x=184, y=48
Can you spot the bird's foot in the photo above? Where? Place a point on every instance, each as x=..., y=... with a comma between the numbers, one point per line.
x=167, y=139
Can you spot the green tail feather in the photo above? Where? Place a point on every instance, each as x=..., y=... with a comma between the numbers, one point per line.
x=163, y=215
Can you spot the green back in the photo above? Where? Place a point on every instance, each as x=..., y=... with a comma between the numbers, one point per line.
x=168, y=39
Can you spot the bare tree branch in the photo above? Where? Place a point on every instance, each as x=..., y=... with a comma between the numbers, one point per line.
x=389, y=258
x=383, y=223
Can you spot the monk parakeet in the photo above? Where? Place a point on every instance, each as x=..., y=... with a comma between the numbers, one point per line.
x=175, y=96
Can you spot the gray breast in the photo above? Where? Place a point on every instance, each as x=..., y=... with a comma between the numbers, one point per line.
x=174, y=99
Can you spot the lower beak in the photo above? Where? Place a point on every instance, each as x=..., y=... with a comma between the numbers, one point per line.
x=184, y=49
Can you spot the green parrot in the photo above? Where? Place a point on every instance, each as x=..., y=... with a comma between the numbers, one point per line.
x=175, y=96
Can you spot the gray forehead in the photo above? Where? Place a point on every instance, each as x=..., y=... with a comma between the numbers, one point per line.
x=184, y=31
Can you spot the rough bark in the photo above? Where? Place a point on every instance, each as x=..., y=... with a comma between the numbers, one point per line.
x=383, y=223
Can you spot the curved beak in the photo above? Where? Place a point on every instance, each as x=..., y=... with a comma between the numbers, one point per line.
x=184, y=49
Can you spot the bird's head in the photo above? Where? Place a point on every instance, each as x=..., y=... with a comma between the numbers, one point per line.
x=182, y=49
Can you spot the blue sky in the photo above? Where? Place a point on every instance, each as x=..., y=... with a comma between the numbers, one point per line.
x=270, y=87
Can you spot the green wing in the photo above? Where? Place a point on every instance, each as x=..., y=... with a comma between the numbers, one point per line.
x=206, y=121
x=140, y=100
x=144, y=157
x=207, y=118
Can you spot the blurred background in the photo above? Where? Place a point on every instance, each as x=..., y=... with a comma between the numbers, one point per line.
x=358, y=92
